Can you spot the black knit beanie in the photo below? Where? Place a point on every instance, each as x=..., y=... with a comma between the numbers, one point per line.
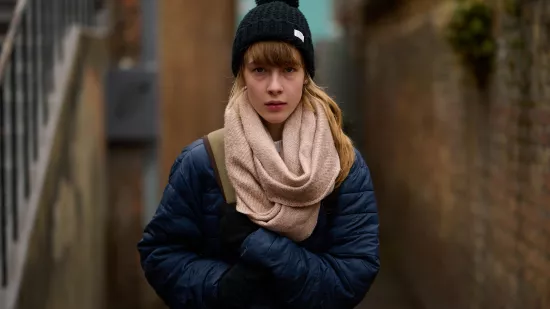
x=274, y=20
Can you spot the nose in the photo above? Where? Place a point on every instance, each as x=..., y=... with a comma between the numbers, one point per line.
x=275, y=87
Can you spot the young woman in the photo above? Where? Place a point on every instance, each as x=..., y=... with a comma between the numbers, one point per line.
x=304, y=230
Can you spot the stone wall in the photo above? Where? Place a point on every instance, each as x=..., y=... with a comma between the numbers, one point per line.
x=462, y=174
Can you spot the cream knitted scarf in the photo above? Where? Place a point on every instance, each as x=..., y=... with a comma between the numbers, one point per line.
x=280, y=192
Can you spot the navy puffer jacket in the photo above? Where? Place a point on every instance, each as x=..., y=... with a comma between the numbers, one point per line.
x=333, y=268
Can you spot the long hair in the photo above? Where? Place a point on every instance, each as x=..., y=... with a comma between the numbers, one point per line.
x=281, y=54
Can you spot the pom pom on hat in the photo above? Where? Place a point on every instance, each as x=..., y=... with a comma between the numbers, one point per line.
x=293, y=3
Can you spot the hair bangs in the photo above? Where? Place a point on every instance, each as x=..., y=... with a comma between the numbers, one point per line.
x=274, y=53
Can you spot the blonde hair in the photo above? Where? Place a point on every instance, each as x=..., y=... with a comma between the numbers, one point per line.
x=281, y=54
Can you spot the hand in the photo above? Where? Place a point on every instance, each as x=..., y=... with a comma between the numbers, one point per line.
x=234, y=228
x=243, y=285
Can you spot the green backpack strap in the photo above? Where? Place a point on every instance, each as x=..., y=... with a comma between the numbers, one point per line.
x=214, y=142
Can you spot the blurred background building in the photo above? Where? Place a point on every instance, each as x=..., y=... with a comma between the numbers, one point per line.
x=449, y=102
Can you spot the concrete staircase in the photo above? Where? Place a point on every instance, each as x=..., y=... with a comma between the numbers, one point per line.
x=37, y=52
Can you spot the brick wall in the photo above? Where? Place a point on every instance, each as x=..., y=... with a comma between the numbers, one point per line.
x=462, y=175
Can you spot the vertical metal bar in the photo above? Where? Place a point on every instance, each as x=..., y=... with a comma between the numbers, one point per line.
x=3, y=204
x=61, y=6
x=73, y=11
x=77, y=12
x=46, y=10
x=88, y=12
x=35, y=54
x=52, y=14
x=60, y=27
x=94, y=8
x=85, y=19
x=14, y=155
x=69, y=5
x=73, y=8
x=77, y=9
x=66, y=13
x=42, y=8
x=25, y=101
x=55, y=23
x=85, y=12
x=82, y=12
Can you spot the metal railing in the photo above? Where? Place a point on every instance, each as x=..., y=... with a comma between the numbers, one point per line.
x=31, y=34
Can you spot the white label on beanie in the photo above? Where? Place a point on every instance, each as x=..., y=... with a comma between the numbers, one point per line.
x=299, y=34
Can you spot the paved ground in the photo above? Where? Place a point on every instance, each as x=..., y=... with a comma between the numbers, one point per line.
x=386, y=293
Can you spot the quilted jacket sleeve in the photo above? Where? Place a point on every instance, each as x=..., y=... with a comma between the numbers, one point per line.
x=179, y=275
x=339, y=278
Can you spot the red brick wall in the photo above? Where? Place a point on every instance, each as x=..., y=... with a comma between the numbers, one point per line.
x=462, y=175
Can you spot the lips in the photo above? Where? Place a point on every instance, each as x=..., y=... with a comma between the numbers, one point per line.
x=275, y=106
x=275, y=103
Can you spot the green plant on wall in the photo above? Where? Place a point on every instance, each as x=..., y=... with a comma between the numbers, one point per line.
x=512, y=7
x=470, y=33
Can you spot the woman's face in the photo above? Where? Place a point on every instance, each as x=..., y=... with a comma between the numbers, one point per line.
x=274, y=91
